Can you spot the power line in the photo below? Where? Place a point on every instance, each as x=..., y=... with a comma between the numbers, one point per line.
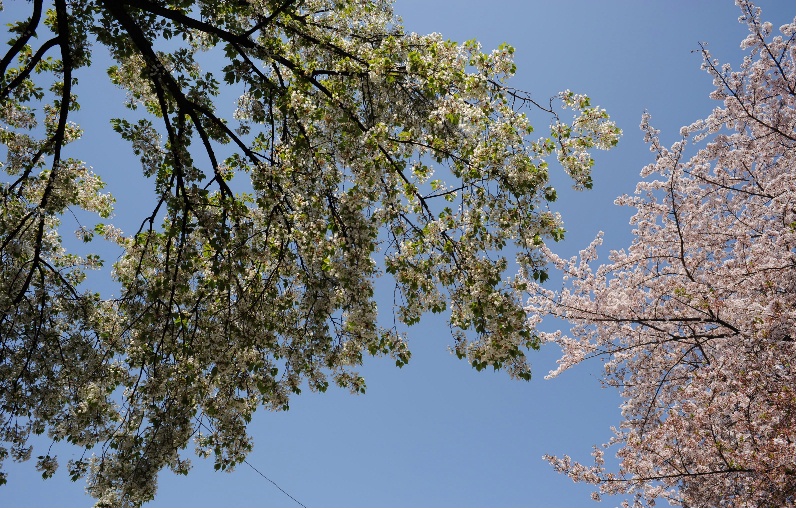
x=274, y=483
x=206, y=426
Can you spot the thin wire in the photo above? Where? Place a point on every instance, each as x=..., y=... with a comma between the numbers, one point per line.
x=274, y=483
x=206, y=426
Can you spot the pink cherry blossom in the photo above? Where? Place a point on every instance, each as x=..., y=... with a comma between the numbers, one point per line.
x=695, y=320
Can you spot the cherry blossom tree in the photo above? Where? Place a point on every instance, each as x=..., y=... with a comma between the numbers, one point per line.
x=696, y=320
x=252, y=276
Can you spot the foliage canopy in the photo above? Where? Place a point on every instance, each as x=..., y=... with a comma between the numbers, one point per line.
x=253, y=274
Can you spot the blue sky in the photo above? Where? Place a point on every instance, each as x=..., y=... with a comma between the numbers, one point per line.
x=438, y=433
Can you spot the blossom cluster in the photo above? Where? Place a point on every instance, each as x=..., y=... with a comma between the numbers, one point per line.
x=696, y=319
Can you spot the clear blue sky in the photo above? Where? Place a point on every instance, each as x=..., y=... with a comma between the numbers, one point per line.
x=438, y=433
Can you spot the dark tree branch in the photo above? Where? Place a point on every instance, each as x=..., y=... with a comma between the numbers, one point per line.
x=24, y=37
